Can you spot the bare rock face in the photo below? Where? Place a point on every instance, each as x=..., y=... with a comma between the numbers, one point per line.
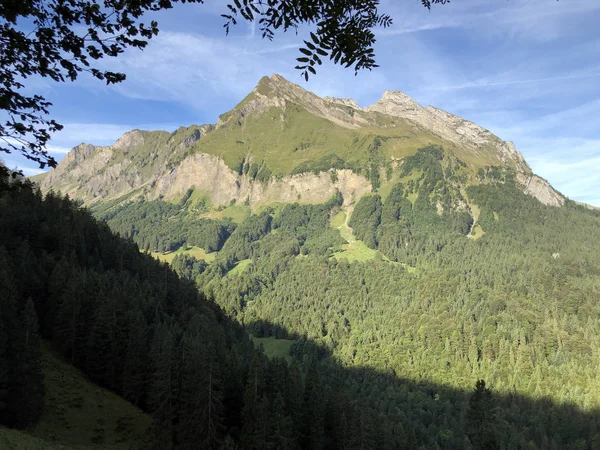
x=343, y=101
x=84, y=174
x=92, y=173
x=540, y=189
x=449, y=127
x=468, y=135
x=130, y=139
x=278, y=87
x=398, y=104
x=195, y=136
x=209, y=174
x=260, y=103
x=472, y=134
x=76, y=157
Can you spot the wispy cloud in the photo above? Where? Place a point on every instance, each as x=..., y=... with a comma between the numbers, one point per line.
x=15, y=164
x=30, y=171
x=485, y=84
x=577, y=179
x=57, y=150
x=516, y=19
x=274, y=49
x=197, y=70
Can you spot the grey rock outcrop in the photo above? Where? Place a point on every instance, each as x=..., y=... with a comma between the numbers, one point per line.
x=195, y=136
x=540, y=189
x=343, y=101
x=278, y=91
x=210, y=175
x=449, y=127
x=130, y=139
x=466, y=134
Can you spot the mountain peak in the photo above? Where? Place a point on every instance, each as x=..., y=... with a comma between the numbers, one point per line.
x=129, y=139
x=397, y=103
x=278, y=91
x=276, y=85
x=279, y=78
x=283, y=86
x=461, y=132
x=281, y=129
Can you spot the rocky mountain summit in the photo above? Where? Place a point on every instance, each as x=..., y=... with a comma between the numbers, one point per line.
x=448, y=126
x=283, y=143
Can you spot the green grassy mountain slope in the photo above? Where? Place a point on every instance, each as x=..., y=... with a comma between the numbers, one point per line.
x=79, y=415
x=282, y=144
x=38, y=178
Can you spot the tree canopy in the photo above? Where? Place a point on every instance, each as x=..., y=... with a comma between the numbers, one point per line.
x=381, y=351
x=59, y=40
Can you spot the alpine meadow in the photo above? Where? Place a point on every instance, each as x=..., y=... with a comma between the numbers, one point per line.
x=303, y=274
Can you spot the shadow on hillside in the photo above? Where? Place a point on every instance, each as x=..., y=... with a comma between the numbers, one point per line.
x=396, y=412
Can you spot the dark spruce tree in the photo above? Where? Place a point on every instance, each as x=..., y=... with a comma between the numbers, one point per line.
x=481, y=417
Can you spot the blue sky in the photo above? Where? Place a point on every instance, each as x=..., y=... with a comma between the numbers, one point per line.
x=528, y=70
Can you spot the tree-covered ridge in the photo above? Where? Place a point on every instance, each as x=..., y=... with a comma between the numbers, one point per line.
x=117, y=314
x=515, y=307
x=429, y=206
x=385, y=356
x=161, y=226
x=134, y=327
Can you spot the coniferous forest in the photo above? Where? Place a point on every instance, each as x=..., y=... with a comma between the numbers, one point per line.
x=441, y=341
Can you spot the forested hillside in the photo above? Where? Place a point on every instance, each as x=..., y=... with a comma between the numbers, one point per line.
x=450, y=283
x=133, y=326
x=383, y=355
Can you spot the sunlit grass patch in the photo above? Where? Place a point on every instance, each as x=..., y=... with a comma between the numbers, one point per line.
x=240, y=267
x=275, y=348
x=196, y=252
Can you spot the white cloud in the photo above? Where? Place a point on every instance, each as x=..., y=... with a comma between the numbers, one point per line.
x=18, y=163
x=491, y=83
x=93, y=133
x=57, y=150
x=532, y=20
x=562, y=147
x=195, y=69
x=577, y=178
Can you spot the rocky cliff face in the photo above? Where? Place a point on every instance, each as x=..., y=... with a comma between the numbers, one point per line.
x=159, y=164
x=540, y=189
x=343, y=101
x=449, y=127
x=278, y=89
x=90, y=173
x=208, y=173
x=466, y=134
